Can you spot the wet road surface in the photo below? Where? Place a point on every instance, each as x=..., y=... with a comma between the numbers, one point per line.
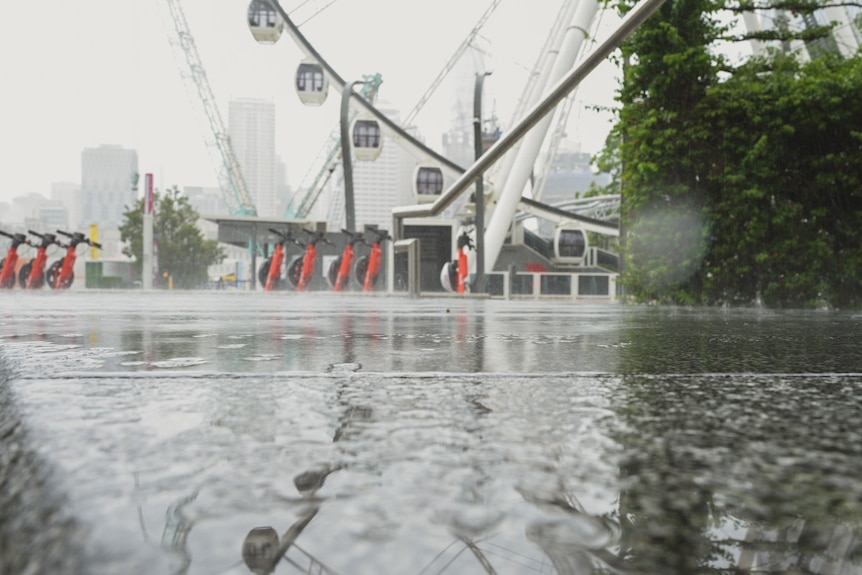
x=237, y=433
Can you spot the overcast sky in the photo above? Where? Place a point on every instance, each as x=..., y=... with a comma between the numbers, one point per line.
x=82, y=73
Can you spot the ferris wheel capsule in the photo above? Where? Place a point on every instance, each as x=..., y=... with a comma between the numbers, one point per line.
x=311, y=83
x=570, y=244
x=427, y=183
x=367, y=138
x=264, y=22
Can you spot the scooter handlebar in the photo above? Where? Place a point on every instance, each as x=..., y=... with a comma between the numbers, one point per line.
x=95, y=244
x=285, y=236
x=67, y=234
x=317, y=237
x=353, y=237
x=37, y=234
x=10, y=236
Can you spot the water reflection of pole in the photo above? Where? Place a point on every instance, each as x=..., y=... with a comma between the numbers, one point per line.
x=262, y=550
x=347, y=335
x=479, y=341
x=177, y=528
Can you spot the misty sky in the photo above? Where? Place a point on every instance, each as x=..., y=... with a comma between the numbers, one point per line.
x=83, y=73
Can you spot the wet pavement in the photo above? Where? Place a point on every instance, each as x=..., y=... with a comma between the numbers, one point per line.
x=218, y=432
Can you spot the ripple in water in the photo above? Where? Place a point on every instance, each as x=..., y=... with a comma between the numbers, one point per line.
x=179, y=362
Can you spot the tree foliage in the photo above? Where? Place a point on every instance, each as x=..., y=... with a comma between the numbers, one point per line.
x=737, y=187
x=183, y=252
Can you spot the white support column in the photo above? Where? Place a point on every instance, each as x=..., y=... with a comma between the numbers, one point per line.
x=843, y=32
x=536, y=86
x=507, y=204
x=752, y=24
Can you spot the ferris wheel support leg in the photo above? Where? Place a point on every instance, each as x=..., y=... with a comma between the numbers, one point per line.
x=504, y=212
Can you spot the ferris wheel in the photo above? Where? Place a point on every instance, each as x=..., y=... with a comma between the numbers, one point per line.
x=268, y=21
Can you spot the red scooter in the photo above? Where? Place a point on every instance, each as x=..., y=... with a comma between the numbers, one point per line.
x=270, y=272
x=301, y=269
x=454, y=274
x=367, y=268
x=339, y=270
x=32, y=274
x=7, y=264
x=61, y=273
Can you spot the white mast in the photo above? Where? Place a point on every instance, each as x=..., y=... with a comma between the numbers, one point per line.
x=506, y=205
x=535, y=87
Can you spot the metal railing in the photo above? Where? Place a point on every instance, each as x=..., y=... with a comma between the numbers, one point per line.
x=553, y=285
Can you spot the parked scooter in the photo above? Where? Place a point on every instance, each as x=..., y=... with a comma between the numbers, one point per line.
x=32, y=274
x=301, y=268
x=270, y=272
x=8, y=264
x=61, y=273
x=454, y=274
x=338, y=273
x=367, y=268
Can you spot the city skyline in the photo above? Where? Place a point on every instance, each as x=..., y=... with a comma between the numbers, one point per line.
x=100, y=74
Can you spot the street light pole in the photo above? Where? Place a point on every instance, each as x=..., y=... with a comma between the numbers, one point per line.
x=346, y=158
x=478, y=148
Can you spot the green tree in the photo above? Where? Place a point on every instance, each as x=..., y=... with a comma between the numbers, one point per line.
x=669, y=68
x=183, y=252
x=740, y=183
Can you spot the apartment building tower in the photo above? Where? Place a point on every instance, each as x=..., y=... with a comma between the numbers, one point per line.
x=106, y=184
x=251, y=126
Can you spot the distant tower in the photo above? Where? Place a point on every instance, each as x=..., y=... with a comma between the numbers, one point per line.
x=69, y=194
x=106, y=184
x=251, y=125
x=282, y=188
x=458, y=141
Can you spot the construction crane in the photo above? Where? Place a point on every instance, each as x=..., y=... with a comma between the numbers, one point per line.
x=450, y=64
x=231, y=180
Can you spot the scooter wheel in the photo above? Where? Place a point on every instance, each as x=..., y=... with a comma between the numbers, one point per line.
x=332, y=272
x=263, y=272
x=449, y=276
x=10, y=281
x=294, y=271
x=360, y=268
x=24, y=274
x=53, y=273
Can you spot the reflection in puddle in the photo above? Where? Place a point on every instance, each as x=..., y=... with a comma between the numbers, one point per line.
x=487, y=440
x=262, y=549
x=179, y=362
x=261, y=357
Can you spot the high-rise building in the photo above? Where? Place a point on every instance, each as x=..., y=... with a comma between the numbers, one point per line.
x=54, y=215
x=206, y=201
x=251, y=126
x=69, y=194
x=106, y=184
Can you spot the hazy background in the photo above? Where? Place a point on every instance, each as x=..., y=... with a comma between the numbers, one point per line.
x=90, y=72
